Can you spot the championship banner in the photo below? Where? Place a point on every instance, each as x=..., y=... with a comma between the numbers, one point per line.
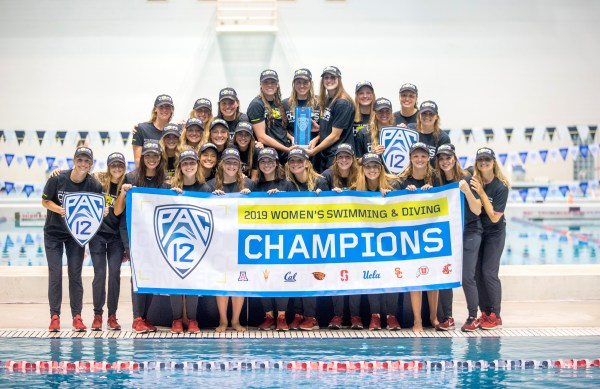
x=295, y=244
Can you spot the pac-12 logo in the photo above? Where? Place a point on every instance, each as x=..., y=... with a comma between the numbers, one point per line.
x=83, y=213
x=397, y=142
x=183, y=234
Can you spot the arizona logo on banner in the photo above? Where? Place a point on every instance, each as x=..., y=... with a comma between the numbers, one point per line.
x=397, y=142
x=294, y=244
x=83, y=214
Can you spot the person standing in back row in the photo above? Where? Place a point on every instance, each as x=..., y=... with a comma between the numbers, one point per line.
x=409, y=110
x=152, y=130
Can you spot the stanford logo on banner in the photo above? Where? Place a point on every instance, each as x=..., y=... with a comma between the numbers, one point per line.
x=397, y=142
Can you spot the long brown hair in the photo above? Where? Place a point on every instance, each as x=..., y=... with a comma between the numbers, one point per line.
x=357, y=114
x=177, y=180
x=311, y=100
x=279, y=173
x=457, y=171
x=220, y=177
x=354, y=170
x=251, y=150
x=340, y=93
x=312, y=175
x=437, y=130
x=429, y=173
x=140, y=179
x=497, y=173
x=278, y=104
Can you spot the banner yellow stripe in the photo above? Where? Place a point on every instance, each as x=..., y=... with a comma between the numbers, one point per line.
x=341, y=213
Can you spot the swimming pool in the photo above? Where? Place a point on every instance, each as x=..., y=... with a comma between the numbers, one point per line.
x=537, y=348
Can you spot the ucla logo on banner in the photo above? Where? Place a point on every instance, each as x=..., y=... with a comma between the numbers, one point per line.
x=183, y=233
x=83, y=213
x=397, y=142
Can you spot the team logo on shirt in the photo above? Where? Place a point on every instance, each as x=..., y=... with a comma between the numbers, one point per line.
x=183, y=234
x=83, y=213
x=397, y=142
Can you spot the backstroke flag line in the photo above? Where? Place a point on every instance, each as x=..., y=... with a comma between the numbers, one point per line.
x=295, y=244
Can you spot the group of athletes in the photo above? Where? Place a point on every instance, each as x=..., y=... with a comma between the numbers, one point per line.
x=254, y=151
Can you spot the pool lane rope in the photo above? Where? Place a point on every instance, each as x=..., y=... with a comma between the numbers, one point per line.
x=341, y=366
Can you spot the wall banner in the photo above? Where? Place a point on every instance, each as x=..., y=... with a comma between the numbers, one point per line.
x=295, y=244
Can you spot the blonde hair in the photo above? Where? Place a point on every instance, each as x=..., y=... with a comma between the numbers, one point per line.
x=183, y=142
x=357, y=114
x=437, y=131
x=194, y=115
x=340, y=93
x=277, y=103
x=177, y=180
x=105, y=180
x=220, y=177
x=251, y=151
x=312, y=175
x=429, y=172
x=165, y=157
x=154, y=115
x=375, y=127
x=354, y=169
x=384, y=183
x=497, y=173
x=311, y=100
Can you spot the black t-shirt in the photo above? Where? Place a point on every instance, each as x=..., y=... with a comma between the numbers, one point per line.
x=432, y=144
x=146, y=131
x=110, y=224
x=328, y=175
x=401, y=119
x=358, y=127
x=291, y=115
x=244, y=159
x=170, y=167
x=228, y=188
x=418, y=183
x=232, y=124
x=497, y=193
x=339, y=114
x=472, y=221
x=303, y=187
x=282, y=185
x=258, y=113
x=195, y=187
x=55, y=189
x=363, y=143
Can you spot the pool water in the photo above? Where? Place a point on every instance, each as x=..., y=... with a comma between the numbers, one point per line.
x=537, y=348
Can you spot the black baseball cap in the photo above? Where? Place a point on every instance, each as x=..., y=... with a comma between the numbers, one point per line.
x=428, y=106
x=244, y=126
x=84, y=151
x=298, y=153
x=207, y=146
x=202, y=103
x=409, y=87
x=151, y=146
x=268, y=153
x=485, y=152
x=382, y=103
x=194, y=122
x=115, y=157
x=332, y=70
x=217, y=122
x=371, y=157
x=163, y=100
x=303, y=74
x=228, y=93
x=344, y=148
x=447, y=149
x=230, y=153
x=171, y=129
x=363, y=83
x=269, y=74
x=188, y=154
x=418, y=146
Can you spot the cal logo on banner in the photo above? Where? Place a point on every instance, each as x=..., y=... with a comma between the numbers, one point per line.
x=397, y=142
x=184, y=234
x=302, y=125
x=83, y=214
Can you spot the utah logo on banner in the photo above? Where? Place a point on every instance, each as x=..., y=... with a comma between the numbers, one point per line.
x=397, y=142
x=83, y=213
x=184, y=234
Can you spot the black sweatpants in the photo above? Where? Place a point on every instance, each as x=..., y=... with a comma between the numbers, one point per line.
x=488, y=267
x=106, y=250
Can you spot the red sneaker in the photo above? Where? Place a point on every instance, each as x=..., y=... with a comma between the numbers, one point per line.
x=335, y=323
x=150, y=327
x=309, y=324
x=138, y=326
x=193, y=327
x=356, y=323
x=177, y=327
x=295, y=324
x=482, y=318
x=375, y=322
x=282, y=324
x=54, y=324
x=446, y=325
x=112, y=323
x=470, y=325
x=268, y=324
x=97, y=323
x=392, y=323
x=78, y=325
x=492, y=322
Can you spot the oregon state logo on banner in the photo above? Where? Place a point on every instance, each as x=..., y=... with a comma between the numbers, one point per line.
x=83, y=214
x=397, y=142
x=184, y=234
